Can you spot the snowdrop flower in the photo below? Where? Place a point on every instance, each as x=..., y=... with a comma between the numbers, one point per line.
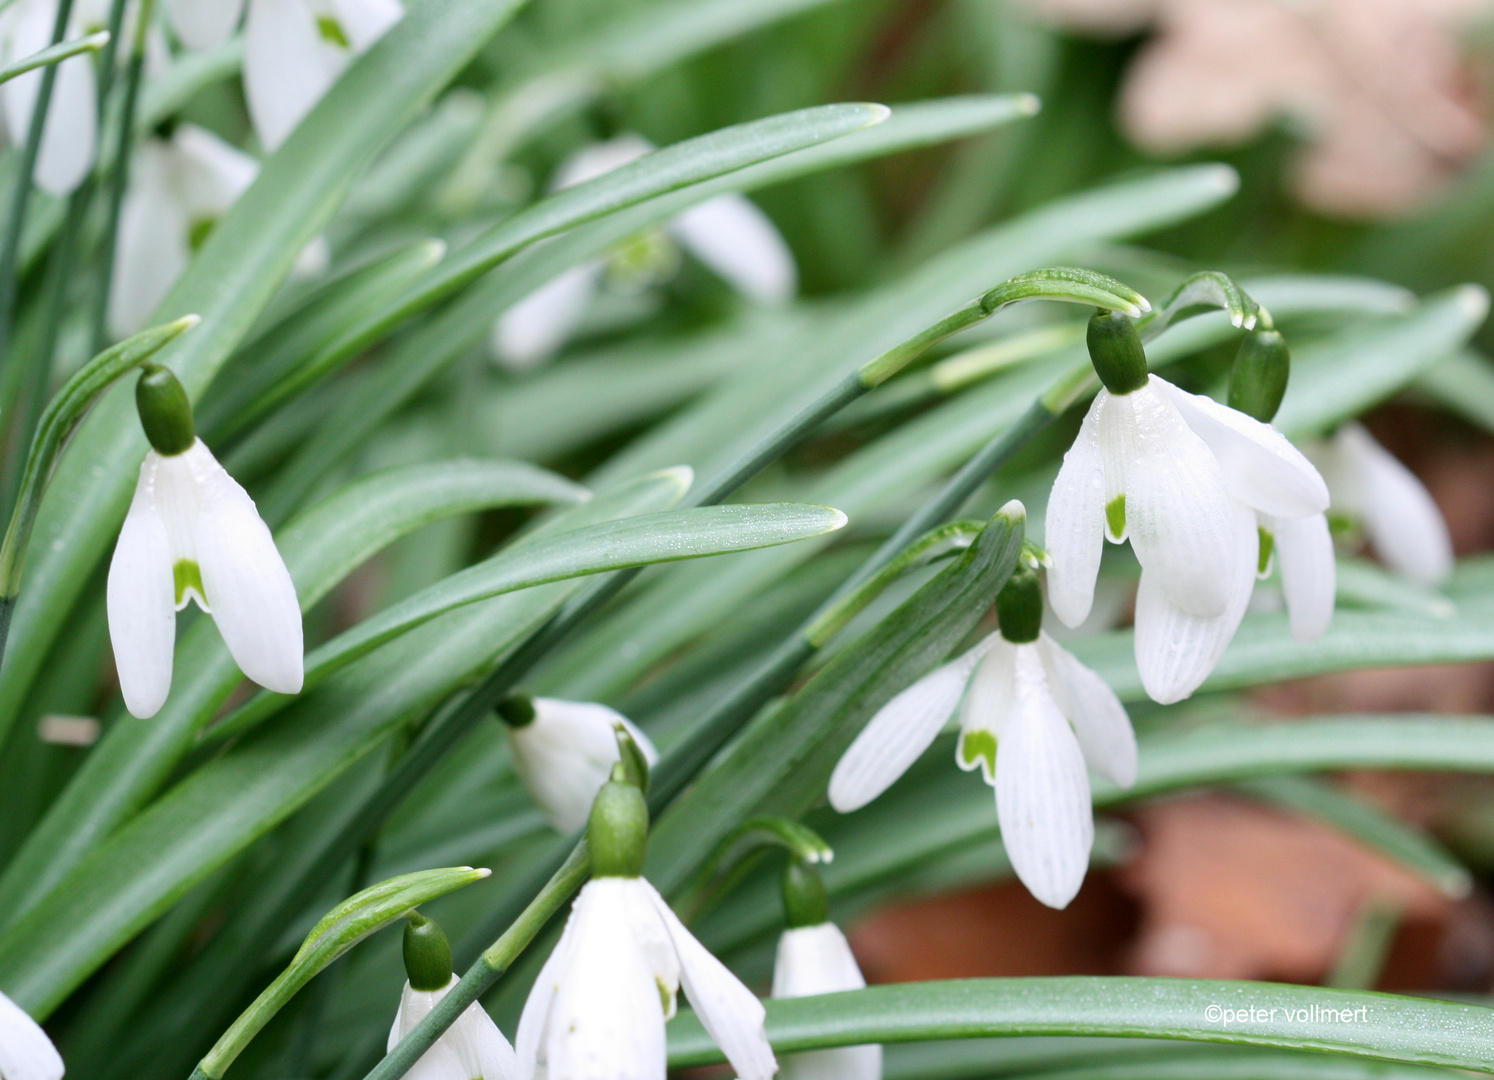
x=728, y=233
x=1190, y=483
x=192, y=533
x=70, y=135
x=814, y=957
x=1394, y=508
x=1052, y=718
x=25, y=1051
x=564, y=751
x=294, y=50
x=204, y=24
x=472, y=1048
x=598, y=1008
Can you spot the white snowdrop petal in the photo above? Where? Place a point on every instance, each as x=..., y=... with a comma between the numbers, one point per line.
x=71, y=132
x=204, y=24
x=441, y=1061
x=480, y=1048
x=25, y=1051
x=210, y=175
x=1175, y=649
x=152, y=249
x=565, y=754
x=248, y=587
x=1304, y=554
x=815, y=960
x=599, y=159
x=987, y=705
x=738, y=241
x=900, y=731
x=1399, y=514
x=730, y=1013
x=286, y=67
x=535, y=1018
x=1261, y=467
x=1042, y=791
x=365, y=21
x=1100, y=720
x=1074, y=528
x=535, y=328
x=141, y=602
x=606, y=1020
x=1178, y=515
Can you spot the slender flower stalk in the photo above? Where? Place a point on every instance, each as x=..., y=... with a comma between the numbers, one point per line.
x=192, y=533
x=25, y=1051
x=1033, y=720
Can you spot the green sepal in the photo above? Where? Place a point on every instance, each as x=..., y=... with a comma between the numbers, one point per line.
x=805, y=902
x=427, y=954
x=1116, y=352
x=617, y=831
x=1258, y=381
x=1019, y=606
x=165, y=412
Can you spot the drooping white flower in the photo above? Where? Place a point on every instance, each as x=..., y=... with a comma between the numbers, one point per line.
x=818, y=960
x=1034, y=720
x=204, y=24
x=70, y=135
x=1190, y=483
x=565, y=754
x=192, y=533
x=471, y=1049
x=598, y=1008
x=294, y=50
x=728, y=233
x=25, y=1051
x=1397, y=513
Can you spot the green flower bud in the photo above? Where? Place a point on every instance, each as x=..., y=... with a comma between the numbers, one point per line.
x=517, y=710
x=165, y=412
x=1019, y=606
x=804, y=899
x=1116, y=352
x=1259, y=378
x=427, y=954
x=617, y=831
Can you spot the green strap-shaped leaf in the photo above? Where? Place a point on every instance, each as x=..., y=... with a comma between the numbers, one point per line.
x=1386, y=1027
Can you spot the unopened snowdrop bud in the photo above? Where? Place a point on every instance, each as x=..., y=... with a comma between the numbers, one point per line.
x=598, y=1008
x=1258, y=380
x=25, y=1051
x=564, y=751
x=192, y=533
x=1116, y=352
x=472, y=1048
x=814, y=957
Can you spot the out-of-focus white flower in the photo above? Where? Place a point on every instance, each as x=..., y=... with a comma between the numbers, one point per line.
x=471, y=1049
x=25, y=1051
x=294, y=50
x=818, y=960
x=728, y=233
x=192, y=533
x=1395, y=509
x=1184, y=479
x=70, y=136
x=598, y=1008
x=204, y=24
x=565, y=753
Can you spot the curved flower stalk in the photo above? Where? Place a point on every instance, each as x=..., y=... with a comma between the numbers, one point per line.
x=472, y=1048
x=1394, y=508
x=814, y=957
x=192, y=533
x=728, y=233
x=294, y=50
x=598, y=1008
x=25, y=1051
x=1190, y=483
x=1033, y=720
x=70, y=136
x=564, y=751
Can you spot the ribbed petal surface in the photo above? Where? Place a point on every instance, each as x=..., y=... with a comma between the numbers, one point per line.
x=248, y=587
x=1309, y=577
x=1261, y=468
x=1074, y=530
x=141, y=601
x=1100, y=720
x=1175, y=649
x=25, y=1051
x=900, y=731
x=1178, y=515
x=1042, y=791
x=740, y=242
x=988, y=704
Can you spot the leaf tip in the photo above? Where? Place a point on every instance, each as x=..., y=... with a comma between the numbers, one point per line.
x=838, y=519
x=1474, y=299
x=1028, y=104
